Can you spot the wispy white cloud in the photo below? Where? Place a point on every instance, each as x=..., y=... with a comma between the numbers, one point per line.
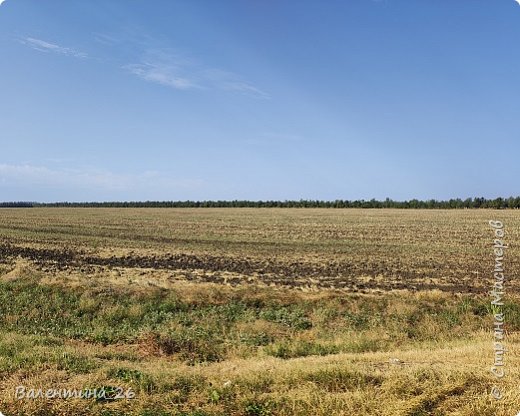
x=518, y=1
x=43, y=46
x=90, y=179
x=172, y=70
x=164, y=67
x=229, y=81
x=1, y=1
x=168, y=75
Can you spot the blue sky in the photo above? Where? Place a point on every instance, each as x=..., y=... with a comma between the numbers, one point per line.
x=258, y=99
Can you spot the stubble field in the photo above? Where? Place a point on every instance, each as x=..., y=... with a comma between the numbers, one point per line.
x=254, y=311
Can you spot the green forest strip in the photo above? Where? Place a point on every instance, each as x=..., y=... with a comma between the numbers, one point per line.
x=469, y=203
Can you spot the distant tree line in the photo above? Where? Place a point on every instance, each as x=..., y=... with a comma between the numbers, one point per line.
x=17, y=204
x=497, y=203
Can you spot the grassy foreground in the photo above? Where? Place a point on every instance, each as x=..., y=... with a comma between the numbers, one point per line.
x=212, y=350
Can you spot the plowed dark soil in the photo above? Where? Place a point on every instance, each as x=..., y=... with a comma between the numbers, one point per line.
x=294, y=274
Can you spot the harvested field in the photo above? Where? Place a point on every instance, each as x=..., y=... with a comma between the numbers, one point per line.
x=358, y=250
